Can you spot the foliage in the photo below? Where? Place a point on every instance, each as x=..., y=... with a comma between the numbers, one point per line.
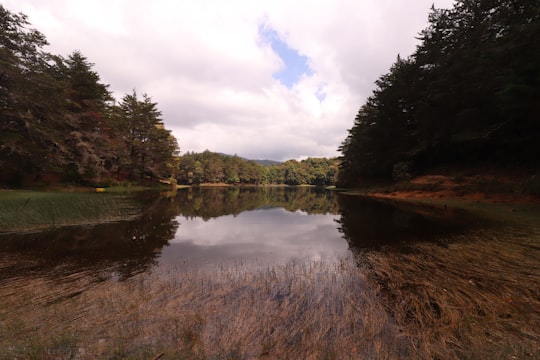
x=147, y=145
x=59, y=121
x=210, y=167
x=468, y=94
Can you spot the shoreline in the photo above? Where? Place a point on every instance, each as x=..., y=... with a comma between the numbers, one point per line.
x=489, y=189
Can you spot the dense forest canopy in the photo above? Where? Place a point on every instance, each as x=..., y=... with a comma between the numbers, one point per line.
x=59, y=122
x=469, y=94
x=210, y=167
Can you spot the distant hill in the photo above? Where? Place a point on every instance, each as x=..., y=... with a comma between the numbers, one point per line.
x=258, y=161
x=267, y=162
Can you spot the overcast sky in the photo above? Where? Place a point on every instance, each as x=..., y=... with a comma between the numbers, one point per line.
x=261, y=79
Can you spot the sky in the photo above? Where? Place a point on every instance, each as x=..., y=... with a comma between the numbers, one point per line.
x=276, y=79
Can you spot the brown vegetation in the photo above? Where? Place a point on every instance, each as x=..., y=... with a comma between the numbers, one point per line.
x=476, y=305
x=417, y=305
x=482, y=187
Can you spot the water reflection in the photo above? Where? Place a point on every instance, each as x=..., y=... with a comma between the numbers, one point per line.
x=125, y=247
x=373, y=224
x=261, y=236
x=208, y=203
x=195, y=225
x=226, y=225
x=401, y=289
x=255, y=226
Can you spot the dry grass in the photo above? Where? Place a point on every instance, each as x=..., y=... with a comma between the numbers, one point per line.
x=464, y=301
x=308, y=311
x=499, y=188
x=470, y=300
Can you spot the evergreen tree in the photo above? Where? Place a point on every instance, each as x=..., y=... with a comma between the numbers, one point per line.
x=57, y=121
x=469, y=94
x=30, y=102
x=149, y=150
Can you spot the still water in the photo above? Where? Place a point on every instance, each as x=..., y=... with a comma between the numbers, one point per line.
x=202, y=226
x=130, y=275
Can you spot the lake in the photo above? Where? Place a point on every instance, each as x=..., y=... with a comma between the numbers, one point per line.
x=145, y=230
x=265, y=272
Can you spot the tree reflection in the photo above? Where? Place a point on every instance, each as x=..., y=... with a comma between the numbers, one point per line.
x=371, y=224
x=125, y=247
x=132, y=246
x=212, y=202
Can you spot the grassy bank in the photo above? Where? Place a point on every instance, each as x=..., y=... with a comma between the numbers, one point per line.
x=37, y=210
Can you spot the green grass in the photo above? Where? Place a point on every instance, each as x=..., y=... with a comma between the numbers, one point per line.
x=29, y=210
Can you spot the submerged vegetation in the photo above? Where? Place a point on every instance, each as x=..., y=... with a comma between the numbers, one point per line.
x=420, y=282
x=431, y=302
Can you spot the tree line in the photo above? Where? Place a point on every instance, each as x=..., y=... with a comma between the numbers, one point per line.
x=469, y=94
x=60, y=123
x=211, y=167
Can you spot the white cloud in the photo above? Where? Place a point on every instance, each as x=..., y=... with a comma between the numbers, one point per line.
x=205, y=65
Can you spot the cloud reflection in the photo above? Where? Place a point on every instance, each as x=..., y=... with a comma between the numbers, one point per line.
x=262, y=236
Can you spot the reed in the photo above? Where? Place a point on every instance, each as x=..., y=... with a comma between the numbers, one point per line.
x=467, y=300
x=31, y=211
x=378, y=305
x=312, y=311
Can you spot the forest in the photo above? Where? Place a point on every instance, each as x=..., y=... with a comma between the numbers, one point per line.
x=468, y=96
x=214, y=168
x=60, y=123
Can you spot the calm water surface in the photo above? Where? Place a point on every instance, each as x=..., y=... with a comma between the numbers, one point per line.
x=201, y=226
x=193, y=226
x=69, y=261
x=264, y=236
